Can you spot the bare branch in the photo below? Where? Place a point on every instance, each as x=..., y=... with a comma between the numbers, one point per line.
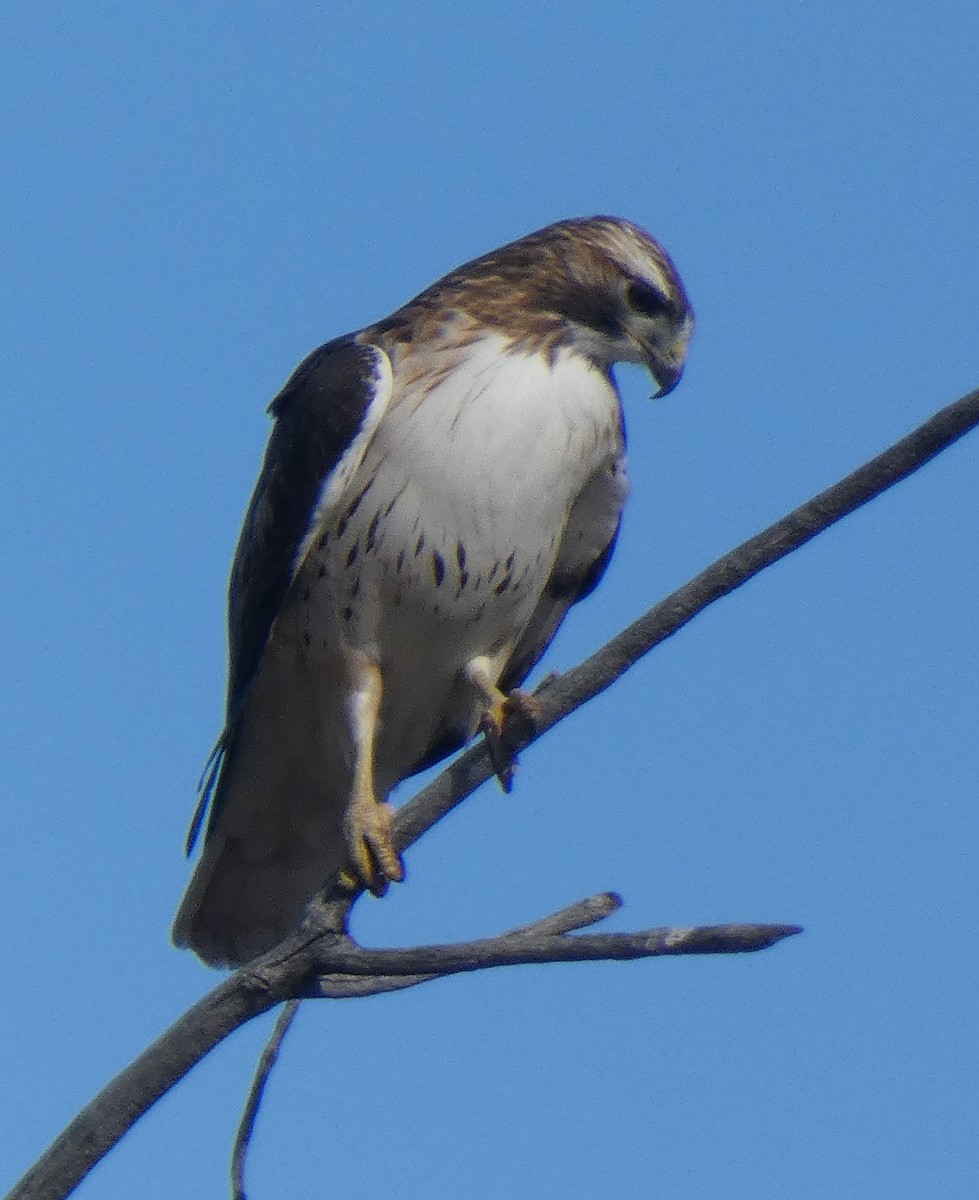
x=577, y=916
x=104, y=1120
x=510, y=951
x=287, y=970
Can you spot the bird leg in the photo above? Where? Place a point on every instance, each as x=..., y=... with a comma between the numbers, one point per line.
x=367, y=821
x=514, y=714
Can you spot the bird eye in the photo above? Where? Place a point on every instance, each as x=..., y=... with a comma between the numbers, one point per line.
x=647, y=300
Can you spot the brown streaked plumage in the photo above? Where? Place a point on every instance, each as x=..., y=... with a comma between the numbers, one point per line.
x=438, y=490
x=526, y=292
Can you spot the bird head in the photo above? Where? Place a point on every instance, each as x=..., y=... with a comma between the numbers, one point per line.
x=620, y=295
x=599, y=286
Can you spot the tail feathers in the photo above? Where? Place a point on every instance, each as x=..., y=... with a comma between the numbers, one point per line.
x=237, y=906
x=274, y=837
x=274, y=841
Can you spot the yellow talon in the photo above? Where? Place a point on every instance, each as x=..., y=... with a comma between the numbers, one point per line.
x=514, y=714
x=374, y=861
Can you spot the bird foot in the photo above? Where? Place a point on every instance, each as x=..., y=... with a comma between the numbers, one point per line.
x=369, y=831
x=506, y=721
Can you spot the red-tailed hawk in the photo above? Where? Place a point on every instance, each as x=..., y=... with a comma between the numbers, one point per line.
x=437, y=491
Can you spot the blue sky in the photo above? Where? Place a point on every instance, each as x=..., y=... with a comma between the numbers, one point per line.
x=193, y=200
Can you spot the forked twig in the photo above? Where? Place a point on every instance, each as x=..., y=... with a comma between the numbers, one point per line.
x=369, y=972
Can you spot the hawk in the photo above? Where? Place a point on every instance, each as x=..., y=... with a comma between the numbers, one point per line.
x=438, y=490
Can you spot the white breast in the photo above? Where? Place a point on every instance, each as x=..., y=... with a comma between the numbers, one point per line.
x=465, y=489
x=502, y=445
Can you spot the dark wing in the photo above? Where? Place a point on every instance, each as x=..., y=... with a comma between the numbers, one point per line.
x=562, y=591
x=582, y=558
x=319, y=414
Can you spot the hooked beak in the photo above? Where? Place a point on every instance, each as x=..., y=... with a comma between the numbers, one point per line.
x=667, y=377
x=665, y=362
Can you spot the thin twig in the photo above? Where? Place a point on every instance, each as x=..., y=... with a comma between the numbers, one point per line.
x=263, y=1070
